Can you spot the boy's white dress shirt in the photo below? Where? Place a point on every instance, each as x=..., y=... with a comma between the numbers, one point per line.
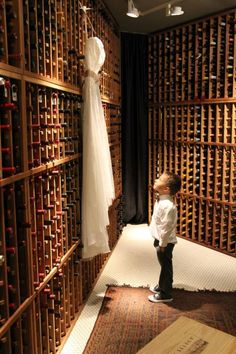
x=164, y=220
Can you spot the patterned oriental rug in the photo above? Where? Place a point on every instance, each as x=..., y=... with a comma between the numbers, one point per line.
x=127, y=321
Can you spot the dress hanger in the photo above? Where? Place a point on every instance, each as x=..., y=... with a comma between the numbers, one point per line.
x=86, y=20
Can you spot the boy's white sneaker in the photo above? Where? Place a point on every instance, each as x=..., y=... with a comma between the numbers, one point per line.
x=159, y=298
x=155, y=289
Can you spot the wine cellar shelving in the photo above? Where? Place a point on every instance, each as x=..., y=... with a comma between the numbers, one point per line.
x=43, y=279
x=192, y=125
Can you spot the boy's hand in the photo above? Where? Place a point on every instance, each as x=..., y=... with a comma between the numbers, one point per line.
x=162, y=249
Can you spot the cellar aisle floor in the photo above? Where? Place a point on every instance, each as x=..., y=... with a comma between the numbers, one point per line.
x=133, y=262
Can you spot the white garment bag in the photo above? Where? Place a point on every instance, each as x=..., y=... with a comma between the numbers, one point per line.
x=97, y=185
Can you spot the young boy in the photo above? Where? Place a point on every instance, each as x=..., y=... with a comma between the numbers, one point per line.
x=163, y=230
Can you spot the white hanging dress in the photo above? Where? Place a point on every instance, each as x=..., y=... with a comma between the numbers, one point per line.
x=97, y=185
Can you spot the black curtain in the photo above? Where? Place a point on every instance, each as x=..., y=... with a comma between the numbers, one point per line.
x=134, y=71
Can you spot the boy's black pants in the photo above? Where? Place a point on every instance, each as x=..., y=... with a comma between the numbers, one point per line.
x=166, y=274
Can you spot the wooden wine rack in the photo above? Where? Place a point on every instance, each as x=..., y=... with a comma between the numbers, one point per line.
x=43, y=280
x=192, y=125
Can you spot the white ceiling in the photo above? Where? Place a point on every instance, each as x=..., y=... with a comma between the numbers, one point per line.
x=193, y=9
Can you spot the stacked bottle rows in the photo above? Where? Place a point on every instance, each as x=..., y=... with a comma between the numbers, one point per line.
x=55, y=37
x=53, y=125
x=13, y=288
x=192, y=120
x=54, y=40
x=194, y=62
x=43, y=281
x=55, y=216
x=53, y=121
x=10, y=51
x=10, y=127
x=113, y=121
x=41, y=216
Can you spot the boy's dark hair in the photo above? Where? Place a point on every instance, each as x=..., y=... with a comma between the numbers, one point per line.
x=174, y=182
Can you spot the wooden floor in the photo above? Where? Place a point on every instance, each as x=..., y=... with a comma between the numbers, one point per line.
x=133, y=262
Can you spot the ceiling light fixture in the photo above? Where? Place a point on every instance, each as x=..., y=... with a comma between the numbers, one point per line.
x=132, y=11
x=174, y=10
x=170, y=10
